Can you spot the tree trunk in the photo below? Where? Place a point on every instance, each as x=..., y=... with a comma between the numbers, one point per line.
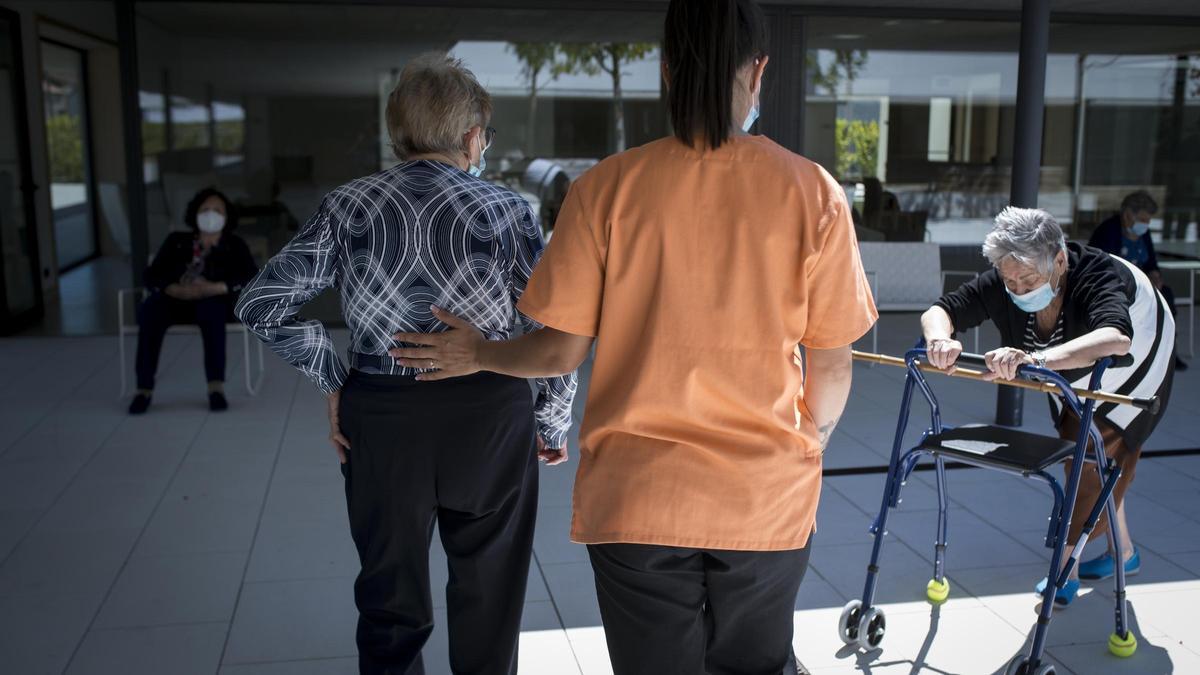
x=618, y=103
x=531, y=135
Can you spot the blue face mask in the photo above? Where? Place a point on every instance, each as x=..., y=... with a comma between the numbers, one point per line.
x=1035, y=300
x=477, y=171
x=751, y=118
x=1139, y=228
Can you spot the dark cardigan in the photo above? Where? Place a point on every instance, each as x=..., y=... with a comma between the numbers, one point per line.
x=229, y=261
x=1099, y=292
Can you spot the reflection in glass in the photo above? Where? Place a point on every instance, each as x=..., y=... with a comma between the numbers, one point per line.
x=296, y=113
x=189, y=124
x=562, y=107
x=917, y=127
x=65, y=106
x=230, y=122
x=1139, y=121
x=154, y=132
x=915, y=117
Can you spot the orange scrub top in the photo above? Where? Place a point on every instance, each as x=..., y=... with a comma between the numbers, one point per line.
x=699, y=272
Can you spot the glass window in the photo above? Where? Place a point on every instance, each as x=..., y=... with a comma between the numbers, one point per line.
x=296, y=113
x=64, y=97
x=189, y=124
x=154, y=132
x=1130, y=102
x=915, y=118
x=230, y=123
x=559, y=108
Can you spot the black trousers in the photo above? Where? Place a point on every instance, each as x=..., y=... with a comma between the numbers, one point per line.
x=459, y=452
x=1169, y=296
x=159, y=312
x=687, y=611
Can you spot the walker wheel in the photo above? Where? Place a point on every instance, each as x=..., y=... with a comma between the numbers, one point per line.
x=848, y=623
x=1019, y=665
x=871, y=627
x=1122, y=647
x=937, y=591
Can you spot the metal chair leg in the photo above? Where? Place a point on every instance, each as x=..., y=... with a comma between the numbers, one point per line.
x=253, y=382
x=121, y=351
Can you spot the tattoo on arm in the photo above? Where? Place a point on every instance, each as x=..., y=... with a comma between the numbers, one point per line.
x=825, y=432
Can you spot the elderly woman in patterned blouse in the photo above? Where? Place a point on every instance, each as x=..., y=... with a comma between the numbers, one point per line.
x=427, y=232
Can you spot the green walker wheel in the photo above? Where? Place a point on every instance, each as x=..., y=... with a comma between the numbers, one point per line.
x=937, y=591
x=1122, y=647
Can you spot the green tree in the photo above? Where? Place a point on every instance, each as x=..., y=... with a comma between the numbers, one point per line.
x=231, y=136
x=64, y=140
x=857, y=144
x=537, y=58
x=593, y=58
x=154, y=138
x=845, y=67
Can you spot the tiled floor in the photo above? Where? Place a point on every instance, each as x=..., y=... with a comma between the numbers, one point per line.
x=186, y=542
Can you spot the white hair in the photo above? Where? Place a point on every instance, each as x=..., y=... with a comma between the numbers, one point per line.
x=1030, y=236
x=436, y=100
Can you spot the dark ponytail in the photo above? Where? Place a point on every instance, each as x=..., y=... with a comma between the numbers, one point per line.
x=706, y=42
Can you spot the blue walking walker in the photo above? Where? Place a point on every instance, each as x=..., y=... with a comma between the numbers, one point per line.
x=1015, y=452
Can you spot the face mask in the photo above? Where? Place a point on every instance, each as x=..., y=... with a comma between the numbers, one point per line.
x=1035, y=300
x=751, y=118
x=1139, y=228
x=210, y=222
x=477, y=171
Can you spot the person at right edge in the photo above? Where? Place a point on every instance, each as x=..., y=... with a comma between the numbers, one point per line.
x=698, y=264
x=1127, y=234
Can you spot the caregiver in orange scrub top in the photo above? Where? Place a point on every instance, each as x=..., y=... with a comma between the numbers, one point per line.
x=697, y=263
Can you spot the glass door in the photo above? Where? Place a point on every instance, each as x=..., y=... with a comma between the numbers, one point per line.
x=20, y=288
x=64, y=94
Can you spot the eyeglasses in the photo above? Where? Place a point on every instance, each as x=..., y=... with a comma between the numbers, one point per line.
x=489, y=135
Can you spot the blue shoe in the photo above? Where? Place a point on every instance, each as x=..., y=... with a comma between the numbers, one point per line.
x=1103, y=567
x=1063, y=596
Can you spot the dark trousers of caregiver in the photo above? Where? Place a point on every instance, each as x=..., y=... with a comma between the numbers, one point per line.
x=159, y=312
x=684, y=611
x=460, y=453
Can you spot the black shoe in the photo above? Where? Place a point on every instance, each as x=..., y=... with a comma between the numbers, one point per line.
x=1180, y=364
x=217, y=402
x=139, y=404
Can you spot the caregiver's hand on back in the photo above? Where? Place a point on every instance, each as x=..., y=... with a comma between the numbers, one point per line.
x=454, y=353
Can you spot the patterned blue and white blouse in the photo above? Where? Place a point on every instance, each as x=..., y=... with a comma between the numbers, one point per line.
x=419, y=234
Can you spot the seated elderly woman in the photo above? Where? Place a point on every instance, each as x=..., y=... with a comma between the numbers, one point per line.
x=1065, y=306
x=194, y=279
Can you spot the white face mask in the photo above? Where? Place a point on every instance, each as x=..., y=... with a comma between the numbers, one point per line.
x=210, y=222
